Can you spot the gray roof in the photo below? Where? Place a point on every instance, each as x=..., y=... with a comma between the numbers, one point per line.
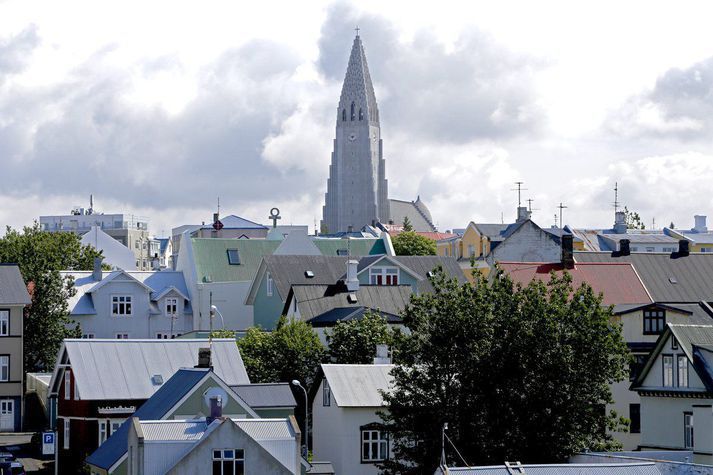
x=12, y=287
x=667, y=278
x=643, y=468
x=699, y=313
x=416, y=211
x=358, y=385
x=492, y=231
x=697, y=238
x=266, y=395
x=422, y=265
x=316, y=300
x=123, y=369
x=290, y=270
x=640, y=238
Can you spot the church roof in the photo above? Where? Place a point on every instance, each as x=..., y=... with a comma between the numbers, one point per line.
x=416, y=211
x=357, y=83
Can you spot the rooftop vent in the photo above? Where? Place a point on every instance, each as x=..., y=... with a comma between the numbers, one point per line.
x=309, y=274
x=673, y=280
x=352, y=298
x=157, y=379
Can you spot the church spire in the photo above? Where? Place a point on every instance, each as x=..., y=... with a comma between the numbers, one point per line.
x=358, y=101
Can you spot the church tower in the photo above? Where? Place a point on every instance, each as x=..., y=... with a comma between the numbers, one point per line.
x=357, y=187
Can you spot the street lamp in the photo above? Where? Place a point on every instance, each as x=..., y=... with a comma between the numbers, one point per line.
x=213, y=311
x=306, y=446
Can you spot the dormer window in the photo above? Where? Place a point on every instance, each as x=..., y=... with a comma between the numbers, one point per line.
x=384, y=276
x=344, y=115
x=654, y=321
x=353, y=114
x=361, y=114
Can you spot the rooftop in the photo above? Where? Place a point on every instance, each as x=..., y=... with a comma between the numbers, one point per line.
x=358, y=385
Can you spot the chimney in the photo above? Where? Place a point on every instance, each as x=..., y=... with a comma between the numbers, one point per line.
x=352, y=281
x=203, y=358
x=700, y=226
x=624, y=247
x=216, y=409
x=97, y=271
x=567, y=251
x=216, y=217
x=350, y=228
x=382, y=355
x=683, y=249
x=620, y=222
x=522, y=214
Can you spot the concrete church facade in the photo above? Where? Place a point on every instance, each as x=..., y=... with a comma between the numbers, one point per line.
x=357, y=188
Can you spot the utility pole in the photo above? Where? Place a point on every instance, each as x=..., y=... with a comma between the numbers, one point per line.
x=561, y=207
x=443, y=444
x=519, y=190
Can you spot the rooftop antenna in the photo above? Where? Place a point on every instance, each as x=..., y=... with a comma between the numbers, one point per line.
x=519, y=190
x=653, y=223
x=616, y=197
x=502, y=218
x=219, y=206
x=556, y=220
x=561, y=207
x=529, y=205
x=357, y=31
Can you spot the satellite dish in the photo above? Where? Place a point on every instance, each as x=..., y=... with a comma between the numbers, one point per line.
x=215, y=392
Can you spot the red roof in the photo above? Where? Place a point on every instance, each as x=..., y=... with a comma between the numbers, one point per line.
x=430, y=235
x=618, y=281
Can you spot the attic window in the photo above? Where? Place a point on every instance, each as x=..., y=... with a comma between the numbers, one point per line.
x=342, y=252
x=673, y=280
x=309, y=274
x=352, y=298
x=157, y=379
x=233, y=257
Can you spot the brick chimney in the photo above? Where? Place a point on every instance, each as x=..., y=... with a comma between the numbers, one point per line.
x=522, y=214
x=567, y=251
x=204, y=358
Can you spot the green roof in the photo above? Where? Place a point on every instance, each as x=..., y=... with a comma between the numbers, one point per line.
x=211, y=257
x=357, y=247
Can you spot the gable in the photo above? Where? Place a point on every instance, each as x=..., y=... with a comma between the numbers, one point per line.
x=528, y=243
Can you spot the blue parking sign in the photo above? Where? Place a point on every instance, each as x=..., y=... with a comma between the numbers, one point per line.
x=48, y=441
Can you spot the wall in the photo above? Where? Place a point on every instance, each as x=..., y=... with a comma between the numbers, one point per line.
x=12, y=345
x=404, y=277
x=267, y=309
x=528, y=244
x=662, y=422
x=195, y=405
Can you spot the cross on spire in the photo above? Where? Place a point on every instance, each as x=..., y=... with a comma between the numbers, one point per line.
x=357, y=30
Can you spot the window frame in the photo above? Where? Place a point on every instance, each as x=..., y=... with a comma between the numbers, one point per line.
x=123, y=336
x=67, y=385
x=326, y=394
x=222, y=459
x=663, y=370
x=268, y=285
x=66, y=433
x=659, y=320
x=233, y=256
x=681, y=372
x=88, y=336
x=5, y=357
x=688, y=438
x=635, y=428
x=5, y=317
x=102, y=431
x=171, y=302
x=382, y=437
x=384, y=276
x=128, y=300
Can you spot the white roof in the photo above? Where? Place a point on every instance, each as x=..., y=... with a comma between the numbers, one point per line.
x=173, y=430
x=358, y=385
x=123, y=369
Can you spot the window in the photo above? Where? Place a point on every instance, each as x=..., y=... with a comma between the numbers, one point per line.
x=384, y=276
x=361, y=114
x=4, y=322
x=87, y=336
x=688, y=430
x=674, y=343
x=136, y=244
x=171, y=307
x=228, y=462
x=114, y=425
x=268, y=289
x=122, y=336
x=634, y=248
x=102, y=432
x=654, y=322
x=353, y=115
x=233, y=257
x=76, y=390
x=4, y=368
x=66, y=434
x=326, y=394
x=374, y=445
x=669, y=249
x=636, y=366
x=635, y=418
x=707, y=249
x=650, y=249
x=667, y=370
x=471, y=250
x=121, y=305
x=342, y=252
x=344, y=115
x=682, y=371
x=67, y=385
x=166, y=336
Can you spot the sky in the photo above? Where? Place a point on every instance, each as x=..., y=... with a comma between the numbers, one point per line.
x=161, y=108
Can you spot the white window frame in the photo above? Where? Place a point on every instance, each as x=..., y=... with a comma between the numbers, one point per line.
x=4, y=322
x=667, y=373
x=688, y=434
x=384, y=274
x=326, y=394
x=682, y=371
x=67, y=385
x=171, y=304
x=114, y=425
x=223, y=457
x=269, y=285
x=4, y=368
x=116, y=300
x=103, y=431
x=76, y=391
x=374, y=438
x=88, y=336
x=66, y=434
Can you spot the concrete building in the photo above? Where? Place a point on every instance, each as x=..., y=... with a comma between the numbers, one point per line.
x=13, y=299
x=346, y=429
x=137, y=304
x=115, y=254
x=699, y=237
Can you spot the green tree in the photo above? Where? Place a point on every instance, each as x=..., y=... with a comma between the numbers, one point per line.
x=41, y=256
x=407, y=226
x=633, y=220
x=409, y=243
x=517, y=373
x=354, y=341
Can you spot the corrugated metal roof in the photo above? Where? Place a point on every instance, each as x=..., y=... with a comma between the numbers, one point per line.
x=290, y=270
x=12, y=287
x=356, y=385
x=236, y=222
x=173, y=430
x=667, y=278
x=122, y=369
x=357, y=246
x=568, y=469
x=266, y=395
x=492, y=231
x=276, y=436
x=639, y=238
x=211, y=258
x=617, y=281
x=316, y=300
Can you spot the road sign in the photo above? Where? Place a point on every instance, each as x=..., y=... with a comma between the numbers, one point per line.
x=48, y=443
x=218, y=225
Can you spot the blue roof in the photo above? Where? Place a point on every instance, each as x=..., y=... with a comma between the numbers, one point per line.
x=154, y=408
x=163, y=244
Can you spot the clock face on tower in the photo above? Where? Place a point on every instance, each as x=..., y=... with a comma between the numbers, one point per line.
x=352, y=137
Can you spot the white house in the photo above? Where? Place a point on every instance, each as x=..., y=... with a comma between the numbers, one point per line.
x=346, y=429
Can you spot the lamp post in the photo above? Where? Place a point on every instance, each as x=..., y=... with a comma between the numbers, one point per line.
x=306, y=445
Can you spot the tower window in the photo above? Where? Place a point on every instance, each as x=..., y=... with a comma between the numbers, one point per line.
x=361, y=114
x=344, y=115
x=353, y=113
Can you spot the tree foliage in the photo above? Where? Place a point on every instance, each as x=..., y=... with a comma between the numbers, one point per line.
x=409, y=243
x=354, y=341
x=41, y=256
x=633, y=220
x=517, y=373
x=407, y=226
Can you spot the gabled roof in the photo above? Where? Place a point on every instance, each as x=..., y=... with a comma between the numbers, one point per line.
x=236, y=222
x=356, y=246
x=12, y=287
x=416, y=211
x=618, y=281
x=116, y=275
x=396, y=261
x=492, y=231
x=668, y=278
x=699, y=313
x=422, y=265
x=211, y=258
x=123, y=369
x=325, y=303
x=641, y=468
x=358, y=385
x=266, y=395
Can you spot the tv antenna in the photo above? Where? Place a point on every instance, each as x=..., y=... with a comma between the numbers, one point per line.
x=616, y=197
x=561, y=207
x=519, y=190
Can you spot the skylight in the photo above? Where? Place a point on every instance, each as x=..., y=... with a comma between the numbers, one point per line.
x=233, y=257
x=352, y=298
x=309, y=274
x=673, y=280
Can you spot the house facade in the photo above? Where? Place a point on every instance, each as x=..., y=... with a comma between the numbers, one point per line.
x=123, y=304
x=89, y=402
x=346, y=428
x=13, y=299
